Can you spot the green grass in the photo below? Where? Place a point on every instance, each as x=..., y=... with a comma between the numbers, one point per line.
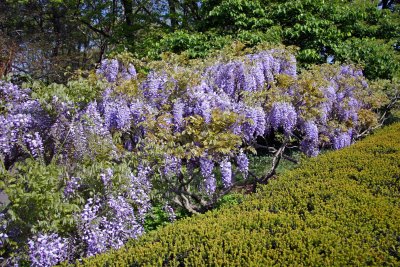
x=341, y=208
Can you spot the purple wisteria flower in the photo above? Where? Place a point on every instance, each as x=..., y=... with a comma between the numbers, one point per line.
x=206, y=169
x=283, y=115
x=177, y=111
x=170, y=212
x=106, y=177
x=109, y=69
x=35, y=144
x=309, y=144
x=226, y=172
x=341, y=140
x=243, y=163
x=46, y=250
x=71, y=186
x=108, y=224
x=117, y=114
x=172, y=165
x=139, y=191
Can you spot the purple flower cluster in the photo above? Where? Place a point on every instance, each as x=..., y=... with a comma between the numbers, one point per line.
x=35, y=144
x=261, y=69
x=342, y=140
x=109, y=224
x=172, y=165
x=109, y=69
x=309, y=144
x=117, y=114
x=113, y=70
x=170, y=212
x=206, y=168
x=243, y=163
x=139, y=191
x=226, y=172
x=47, y=250
x=13, y=128
x=283, y=115
x=154, y=88
x=106, y=177
x=178, y=112
x=71, y=186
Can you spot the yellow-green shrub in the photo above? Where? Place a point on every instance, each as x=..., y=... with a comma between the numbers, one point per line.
x=339, y=209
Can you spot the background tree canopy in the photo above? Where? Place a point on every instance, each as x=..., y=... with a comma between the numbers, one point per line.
x=49, y=39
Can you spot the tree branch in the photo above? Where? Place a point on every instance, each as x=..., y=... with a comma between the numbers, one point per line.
x=90, y=26
x=275, y=162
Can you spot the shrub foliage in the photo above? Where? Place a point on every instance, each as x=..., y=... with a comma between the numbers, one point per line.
x=338, y=209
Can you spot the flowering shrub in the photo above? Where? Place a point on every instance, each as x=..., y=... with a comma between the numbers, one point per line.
x=338, y=209
x=178, y=135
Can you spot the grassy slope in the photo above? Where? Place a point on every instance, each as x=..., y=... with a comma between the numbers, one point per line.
x=342, y=208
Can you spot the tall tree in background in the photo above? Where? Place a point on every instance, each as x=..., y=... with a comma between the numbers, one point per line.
x=49, y=38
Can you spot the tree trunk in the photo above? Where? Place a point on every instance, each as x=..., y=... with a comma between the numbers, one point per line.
x=128, y=11
x=172, y=13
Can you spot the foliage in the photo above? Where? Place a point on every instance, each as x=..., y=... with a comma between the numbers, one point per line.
x=93, y=158
x=321, y=29
x=378, y=58
x=83, y=32
x=338, y=209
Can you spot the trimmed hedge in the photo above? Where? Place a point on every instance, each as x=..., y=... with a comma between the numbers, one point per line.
x=341, y=208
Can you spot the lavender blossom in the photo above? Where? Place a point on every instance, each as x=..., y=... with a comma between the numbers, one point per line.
x=283, y=115
x=309, y=147
x=203, y=109
x=139, y=191
x=72, y=185
x=250, y=126
x=35, y=144
x=226, y=172
x=178, y=113
x=170, y=212
x=47, y=250
x=210, y=184
x=93, y=121
x=91, y=233
x=310, y=131
x=341, y=140
x=243, y=163
x=128, y=73
x=206, y=166
x=117, y=114
x=172, y=165
x=109, y=69
x=206, y=169
x=108, y=225
x=106, y=177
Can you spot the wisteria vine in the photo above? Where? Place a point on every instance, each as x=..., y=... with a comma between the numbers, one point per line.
x=189, y=141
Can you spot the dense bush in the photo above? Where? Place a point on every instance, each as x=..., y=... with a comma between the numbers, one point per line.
x=91, y=160
x=338, y=209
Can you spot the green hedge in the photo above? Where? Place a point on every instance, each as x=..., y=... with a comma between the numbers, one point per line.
x=342, y=208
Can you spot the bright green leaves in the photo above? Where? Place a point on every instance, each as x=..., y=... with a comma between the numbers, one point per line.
x=378, y=57
x=36, y=202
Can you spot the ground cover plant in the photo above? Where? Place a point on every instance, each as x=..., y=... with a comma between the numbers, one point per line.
x=84, y=163
x=338, y=209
